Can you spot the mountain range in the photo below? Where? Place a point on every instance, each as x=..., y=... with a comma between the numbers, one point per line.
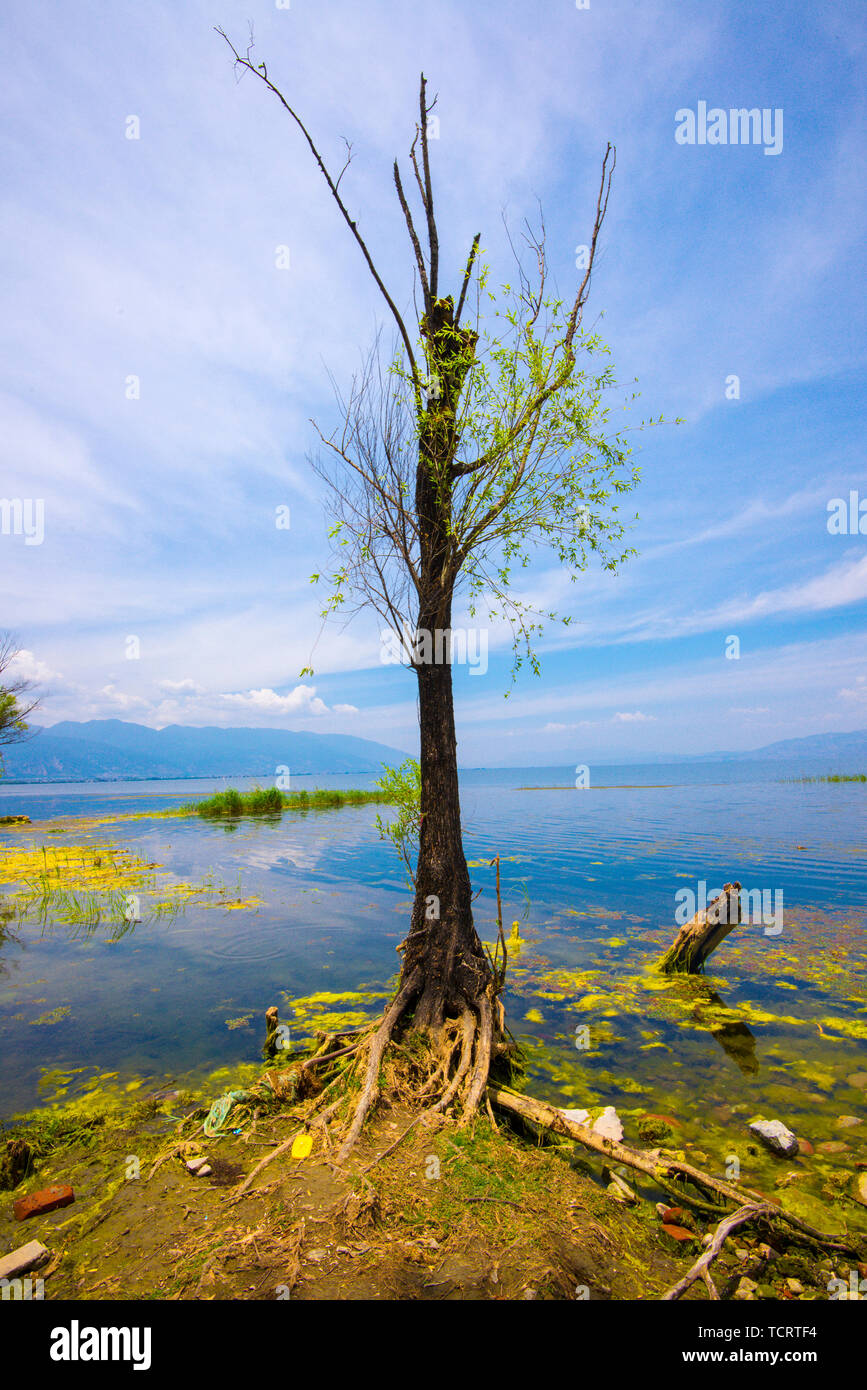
x=114, y=749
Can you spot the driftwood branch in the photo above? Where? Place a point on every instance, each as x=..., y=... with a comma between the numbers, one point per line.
x=701, y=1268
x=662, y=1169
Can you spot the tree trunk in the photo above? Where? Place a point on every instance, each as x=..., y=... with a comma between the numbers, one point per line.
x=443, y=942
x=443, y=939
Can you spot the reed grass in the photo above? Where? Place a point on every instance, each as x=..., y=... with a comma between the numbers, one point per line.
x=269, y=801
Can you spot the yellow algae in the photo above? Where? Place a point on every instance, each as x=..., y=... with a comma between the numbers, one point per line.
x=91, y=886
x=53, y=1016
x=592, y=1001
x=236, y=904
x=534, y=1016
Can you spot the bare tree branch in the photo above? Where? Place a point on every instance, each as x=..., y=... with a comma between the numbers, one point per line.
x=467, y=273
x=413, y=236
x=263, y=77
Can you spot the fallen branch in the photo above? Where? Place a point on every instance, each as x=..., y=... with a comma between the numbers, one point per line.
x=701, y=1268
x=662, y=1169
x=263, y=1163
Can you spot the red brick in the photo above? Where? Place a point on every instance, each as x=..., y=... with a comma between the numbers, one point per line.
x=38, y=1203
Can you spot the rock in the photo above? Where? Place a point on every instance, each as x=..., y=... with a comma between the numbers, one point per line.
x=22, y=1260
x=775, y=1136
x=861, y=1189
x=578, y=1117
x=616, y=1195
x=671, y=1216
x=746, y=1289
x=833, y=1146
x=15, y=1162
x=805, y=1147
x=789, y=1178
x=620, y=1190
x=195, y=1165
x=794, y=1286
x=846, y=1122
x=40, y=1203
x=679, y=1235
x=205, y=1171
x=768, y=1252
x=858, y=1079
x=608, y=1125
x=655, y=1128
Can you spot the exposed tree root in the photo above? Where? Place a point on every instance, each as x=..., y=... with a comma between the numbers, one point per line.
x=450, y=1068
x=377, y=1048
x=483, y=1060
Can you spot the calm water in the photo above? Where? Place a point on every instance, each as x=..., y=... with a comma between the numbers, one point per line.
x=778, y=1026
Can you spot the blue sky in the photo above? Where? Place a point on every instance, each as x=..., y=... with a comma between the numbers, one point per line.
x=155, y=258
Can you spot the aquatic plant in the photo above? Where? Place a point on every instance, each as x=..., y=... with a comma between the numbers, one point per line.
x=270, y=801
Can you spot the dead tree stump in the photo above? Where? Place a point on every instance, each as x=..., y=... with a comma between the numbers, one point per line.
x=703, y=933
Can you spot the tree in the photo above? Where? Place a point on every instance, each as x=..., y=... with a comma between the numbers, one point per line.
x=459, y=456
x=13, y=713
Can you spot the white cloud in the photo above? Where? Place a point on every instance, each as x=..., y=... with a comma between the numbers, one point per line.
x=27, y=667
x=635, y=718
x=302, y=700
x=116, y=699
x=859, y=692
x=184, y=687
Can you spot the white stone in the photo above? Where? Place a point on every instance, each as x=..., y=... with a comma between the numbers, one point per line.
x=25, y=1258
x=578, y=1117
x=776, y=1137
x=608, y=1125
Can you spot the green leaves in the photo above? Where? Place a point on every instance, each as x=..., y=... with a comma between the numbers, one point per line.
x=402, y=787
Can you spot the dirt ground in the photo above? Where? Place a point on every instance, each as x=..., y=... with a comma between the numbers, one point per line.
x=480, y=1213
x=449, y=1214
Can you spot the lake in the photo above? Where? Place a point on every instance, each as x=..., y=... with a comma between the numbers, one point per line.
x=314, y=904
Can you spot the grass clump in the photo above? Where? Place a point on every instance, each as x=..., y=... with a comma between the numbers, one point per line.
x=833, y=777
x=269, y=801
